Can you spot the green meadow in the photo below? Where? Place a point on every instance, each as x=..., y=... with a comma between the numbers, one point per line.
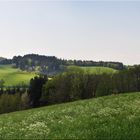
x=94, y=70
x=114, y=117
x=13, y=76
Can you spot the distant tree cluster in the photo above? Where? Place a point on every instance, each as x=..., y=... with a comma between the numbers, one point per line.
x=13, y=98
x=11, y=90
x=4, y=61
x=114, y=65
x=48, y=65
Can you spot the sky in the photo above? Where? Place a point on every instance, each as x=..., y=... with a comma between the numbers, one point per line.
x=87, y=30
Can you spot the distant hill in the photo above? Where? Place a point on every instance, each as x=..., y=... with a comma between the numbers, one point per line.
x=51, y=65
x=113, y=117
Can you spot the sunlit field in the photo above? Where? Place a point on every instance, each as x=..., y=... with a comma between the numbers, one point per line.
x=13, y=76
x=95, y=70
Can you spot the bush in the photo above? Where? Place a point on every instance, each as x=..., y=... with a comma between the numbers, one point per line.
x=9, y=103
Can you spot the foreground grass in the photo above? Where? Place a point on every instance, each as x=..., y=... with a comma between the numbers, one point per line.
x=113, y=117
x=13, y=76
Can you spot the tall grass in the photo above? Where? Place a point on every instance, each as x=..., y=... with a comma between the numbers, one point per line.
x=114, y=117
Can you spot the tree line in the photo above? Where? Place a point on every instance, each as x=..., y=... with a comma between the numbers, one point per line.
x=77, y=84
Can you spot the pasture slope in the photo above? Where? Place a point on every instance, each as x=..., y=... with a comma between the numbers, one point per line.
x=13, y=76
x=115, y=117
x=94, y=70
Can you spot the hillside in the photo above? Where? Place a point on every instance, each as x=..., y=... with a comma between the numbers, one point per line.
x=52, y=65
x=13, y=76
x=114, y=117
x=95, y=70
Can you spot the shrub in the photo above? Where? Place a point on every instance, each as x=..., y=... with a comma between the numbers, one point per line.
x=9, y=103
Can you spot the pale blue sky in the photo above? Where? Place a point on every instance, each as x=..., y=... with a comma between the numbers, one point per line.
x=102, y=30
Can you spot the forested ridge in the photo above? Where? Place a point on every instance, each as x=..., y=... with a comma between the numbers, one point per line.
x=51, y=65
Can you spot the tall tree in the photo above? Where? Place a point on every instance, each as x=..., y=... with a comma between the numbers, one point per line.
x=35, y=89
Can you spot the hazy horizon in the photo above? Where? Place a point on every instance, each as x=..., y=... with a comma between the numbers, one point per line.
x=104, y=30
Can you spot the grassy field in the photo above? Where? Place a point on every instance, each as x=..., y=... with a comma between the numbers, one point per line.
x=95, y=70
x=115, y=117
x=13, y=76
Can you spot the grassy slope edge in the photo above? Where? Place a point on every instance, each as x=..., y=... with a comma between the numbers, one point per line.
x=95, y=69
x=111, y=117
x=13, y=76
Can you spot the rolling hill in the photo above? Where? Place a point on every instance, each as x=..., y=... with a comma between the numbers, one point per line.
x=95, y=70
x=52, y=65
x=114, y=117
x=13, y=76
